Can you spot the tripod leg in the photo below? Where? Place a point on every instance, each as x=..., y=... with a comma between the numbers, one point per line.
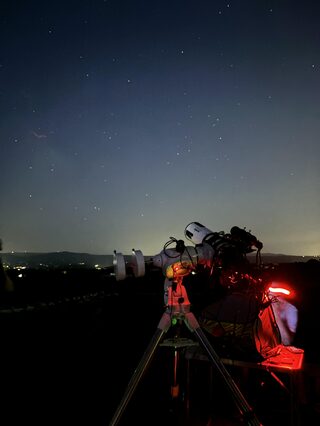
x=175, y=385
x=145, y=361
x=243, y=406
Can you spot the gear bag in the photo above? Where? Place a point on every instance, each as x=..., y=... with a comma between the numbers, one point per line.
x=240, y=327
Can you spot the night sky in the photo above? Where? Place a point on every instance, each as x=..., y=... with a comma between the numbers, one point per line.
x=122, y=121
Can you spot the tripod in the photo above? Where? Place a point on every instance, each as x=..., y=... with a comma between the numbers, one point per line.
x=178, y=309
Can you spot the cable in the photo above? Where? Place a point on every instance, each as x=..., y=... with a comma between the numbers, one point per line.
x=172, y=240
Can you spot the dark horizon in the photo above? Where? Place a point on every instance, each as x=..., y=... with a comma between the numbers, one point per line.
x=106, y=260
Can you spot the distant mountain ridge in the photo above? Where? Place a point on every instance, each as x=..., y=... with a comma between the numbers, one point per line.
x=283, y=258
x=75, y=259
x=57, y=259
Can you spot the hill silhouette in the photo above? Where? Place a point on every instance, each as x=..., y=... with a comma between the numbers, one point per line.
x=56, y=259
x=75, y=259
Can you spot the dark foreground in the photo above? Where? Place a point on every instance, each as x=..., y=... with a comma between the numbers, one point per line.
x=69, y=360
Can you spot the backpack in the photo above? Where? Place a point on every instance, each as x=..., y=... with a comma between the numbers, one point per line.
x=240, y=327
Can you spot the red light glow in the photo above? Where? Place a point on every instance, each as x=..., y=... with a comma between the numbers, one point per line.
x=279, y=290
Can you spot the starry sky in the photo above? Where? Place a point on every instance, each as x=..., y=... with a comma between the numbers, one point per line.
x=122, y=121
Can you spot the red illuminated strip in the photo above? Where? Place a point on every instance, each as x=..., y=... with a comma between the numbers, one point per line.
x=279, y=290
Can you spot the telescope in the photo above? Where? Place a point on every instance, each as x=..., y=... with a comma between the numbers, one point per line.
x=176, y=263
x=209, y=248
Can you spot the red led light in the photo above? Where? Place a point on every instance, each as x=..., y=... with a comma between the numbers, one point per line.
x=279, y=290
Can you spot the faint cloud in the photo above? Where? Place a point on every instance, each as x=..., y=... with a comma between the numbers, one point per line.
x=39, y=135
